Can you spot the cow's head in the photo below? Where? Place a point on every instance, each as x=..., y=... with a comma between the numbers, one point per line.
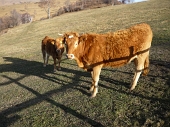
x=71, y=41
x=59, y=44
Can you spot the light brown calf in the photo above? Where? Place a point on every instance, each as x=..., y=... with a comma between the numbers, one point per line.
x=54, y=48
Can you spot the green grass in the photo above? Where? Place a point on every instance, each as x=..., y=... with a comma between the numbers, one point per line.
x=32, y=95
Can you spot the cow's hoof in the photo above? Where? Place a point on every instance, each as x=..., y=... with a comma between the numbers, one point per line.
x=92, y=96
x=54, y=70
x=44, y=65
x=132, y=88
x=59, y=69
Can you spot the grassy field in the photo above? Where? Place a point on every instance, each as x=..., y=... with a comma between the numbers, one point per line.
x=34, y=96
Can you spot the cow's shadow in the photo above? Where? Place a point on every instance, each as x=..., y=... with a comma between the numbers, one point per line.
x=34, y=68
x=27, y=68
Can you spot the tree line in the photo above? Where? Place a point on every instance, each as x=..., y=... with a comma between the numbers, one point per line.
x=75, y=6
x=85, y=4
x=14, y=19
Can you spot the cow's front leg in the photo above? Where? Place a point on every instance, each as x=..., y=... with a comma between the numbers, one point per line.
x=95, y=77
x=59, y=67
x=54, y=58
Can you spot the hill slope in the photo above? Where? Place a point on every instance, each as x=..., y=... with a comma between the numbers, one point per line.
x=30, y=7
x=10, y=2
x=32, y=95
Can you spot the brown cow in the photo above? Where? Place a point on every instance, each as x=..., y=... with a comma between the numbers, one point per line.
x=94, y=51
x=54, y=48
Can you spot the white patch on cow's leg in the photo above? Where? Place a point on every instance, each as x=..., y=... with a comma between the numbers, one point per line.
x=92, y=85
x=134, y=57
x=135, y=80
x=96, y=74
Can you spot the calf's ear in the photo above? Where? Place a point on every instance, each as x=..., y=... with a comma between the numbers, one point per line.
x=52, y=42
x=60, y=34
x=82, y=38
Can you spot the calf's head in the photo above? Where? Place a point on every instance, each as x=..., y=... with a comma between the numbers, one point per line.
x=71, y=41
x=59, y=45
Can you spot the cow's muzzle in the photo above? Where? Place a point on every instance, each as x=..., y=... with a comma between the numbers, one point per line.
x=58, y=51
x=70, y=56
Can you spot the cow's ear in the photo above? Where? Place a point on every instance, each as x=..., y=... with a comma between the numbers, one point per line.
x=81, y=39
x=52, y=42
x=81, y=33
x=70, y=36
x=77, y=34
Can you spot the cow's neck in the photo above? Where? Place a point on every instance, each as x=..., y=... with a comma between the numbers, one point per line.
x=79, y=54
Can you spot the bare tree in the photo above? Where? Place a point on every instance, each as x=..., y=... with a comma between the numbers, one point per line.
x=47, y=5
x=15, y=18
x=67, y=5
x=26, y=18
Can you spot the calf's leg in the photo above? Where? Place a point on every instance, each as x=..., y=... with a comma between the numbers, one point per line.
x=59, y=60
x=46, y=59
x=44, y=54
x=54, y=58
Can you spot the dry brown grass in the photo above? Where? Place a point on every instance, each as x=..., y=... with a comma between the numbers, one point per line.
x=32, y=8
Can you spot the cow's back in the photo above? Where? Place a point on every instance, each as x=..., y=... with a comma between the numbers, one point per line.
x=115, y=49
x=50, y=48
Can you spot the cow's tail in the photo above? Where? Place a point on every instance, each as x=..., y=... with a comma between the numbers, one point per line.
x=146, y=66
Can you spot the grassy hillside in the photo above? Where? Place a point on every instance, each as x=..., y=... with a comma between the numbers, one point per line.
x=32, y=95
x=32, y=8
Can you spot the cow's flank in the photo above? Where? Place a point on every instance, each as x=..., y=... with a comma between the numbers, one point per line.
x=94, y=51
x=52, y=47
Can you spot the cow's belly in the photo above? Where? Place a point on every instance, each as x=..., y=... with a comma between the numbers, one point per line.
x=115, y=63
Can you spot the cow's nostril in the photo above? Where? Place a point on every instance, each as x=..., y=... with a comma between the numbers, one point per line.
x=70, y=56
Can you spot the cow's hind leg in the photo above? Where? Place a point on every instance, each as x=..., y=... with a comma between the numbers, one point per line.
x=146, y=66
x=138, y=72
x=95, y=77
x=46, y=57
x=139, y=64
x=43, y=53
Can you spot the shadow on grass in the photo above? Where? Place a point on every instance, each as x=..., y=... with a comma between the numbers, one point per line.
x=28, y=68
